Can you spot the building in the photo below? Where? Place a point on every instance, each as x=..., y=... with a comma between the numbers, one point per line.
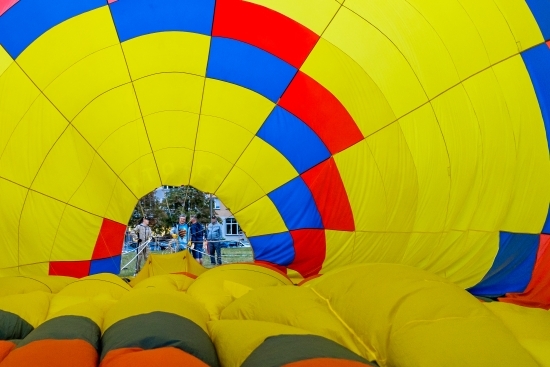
x=231, y=228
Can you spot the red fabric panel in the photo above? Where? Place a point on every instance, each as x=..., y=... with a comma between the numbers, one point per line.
x=310, y=251
x=6, y=347
x=76, y=269
x=278, y=268
x=322, y=112
x=537, y=293
x=137, y=357
x=265, y=29
x=548, y=43
x=309, y=278
x=109, y=240
x=6, y=4
x=53, y=353
x=332, y=201
x=111, y=1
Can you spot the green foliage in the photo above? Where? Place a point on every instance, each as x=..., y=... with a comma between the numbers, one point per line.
x=178, y=200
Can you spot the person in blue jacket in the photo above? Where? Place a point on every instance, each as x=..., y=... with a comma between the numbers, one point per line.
x=196, y=232
x=180, y=233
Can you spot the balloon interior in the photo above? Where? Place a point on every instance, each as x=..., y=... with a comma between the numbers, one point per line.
x=388, y=160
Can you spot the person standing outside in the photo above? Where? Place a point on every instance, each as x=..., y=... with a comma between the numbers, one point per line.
x=197, y=237
x=214, y=236
x=180, y=233
x=144, y=234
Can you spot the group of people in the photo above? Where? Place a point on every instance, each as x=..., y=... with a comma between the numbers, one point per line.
x=192, y=235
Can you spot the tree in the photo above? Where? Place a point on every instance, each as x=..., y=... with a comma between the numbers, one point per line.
x=178, y=200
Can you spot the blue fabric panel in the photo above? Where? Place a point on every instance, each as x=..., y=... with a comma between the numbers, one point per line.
x=135, y=18
x=108, y=265
x=276, y=248
x=537, y=61
x=296, y=205
x=29, y=19
x=289, y=135
x=513, y=266
x=248, y=66
x=541, y=11
x=546, y=229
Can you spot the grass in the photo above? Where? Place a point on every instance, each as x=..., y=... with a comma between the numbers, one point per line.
x=229, y=256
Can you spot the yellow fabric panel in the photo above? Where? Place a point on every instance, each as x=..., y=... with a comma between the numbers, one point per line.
x=468, y=258
x=30, y=142
x=95, y=192
x=222, y=137
x=294, y=276
x=351, y=85
x=172, y=129
x=238, y=190
x=431, y=161
x=66, y=166
x=169, y=92
x=499, y=155
x=339, y=249
x=363, y=183
x=5, y=60
x=461, y=132
x=99, y=286
x=66, y=44
x=37, y=269
x=143, y=301
x=167, y=52
x=209, y=171
x=54, y=283
x=167, y=282
x=234, y=103
x=172, y=135
x=12, y=197
x=235, y=340
x=463, y=257
x=423, y=49
x=420, y=248
x=383, y=247
x=382, y=61
x=141, y=176
x=22, y=284
x=71, y=244
x=87, y=79
x=293, y=306
x=107, y=113
x=93, y=309
x=416, y=316
x=528, y=205
x=15, y=104
x=218, y=287
x=457, y=31
x=314, y=14
x=40, y=219
x=31, y=307
x=121, y=204
x=522, y=23
x=174, y=165
x=90, y=297
x=125, y=145
x=492, y=27
x=260, y=218
x=166, y=264
x=269, y=168
x=529, y=325
x=396, y=166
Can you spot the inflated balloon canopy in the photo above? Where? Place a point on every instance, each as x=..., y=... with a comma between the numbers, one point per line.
x=337, y=132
